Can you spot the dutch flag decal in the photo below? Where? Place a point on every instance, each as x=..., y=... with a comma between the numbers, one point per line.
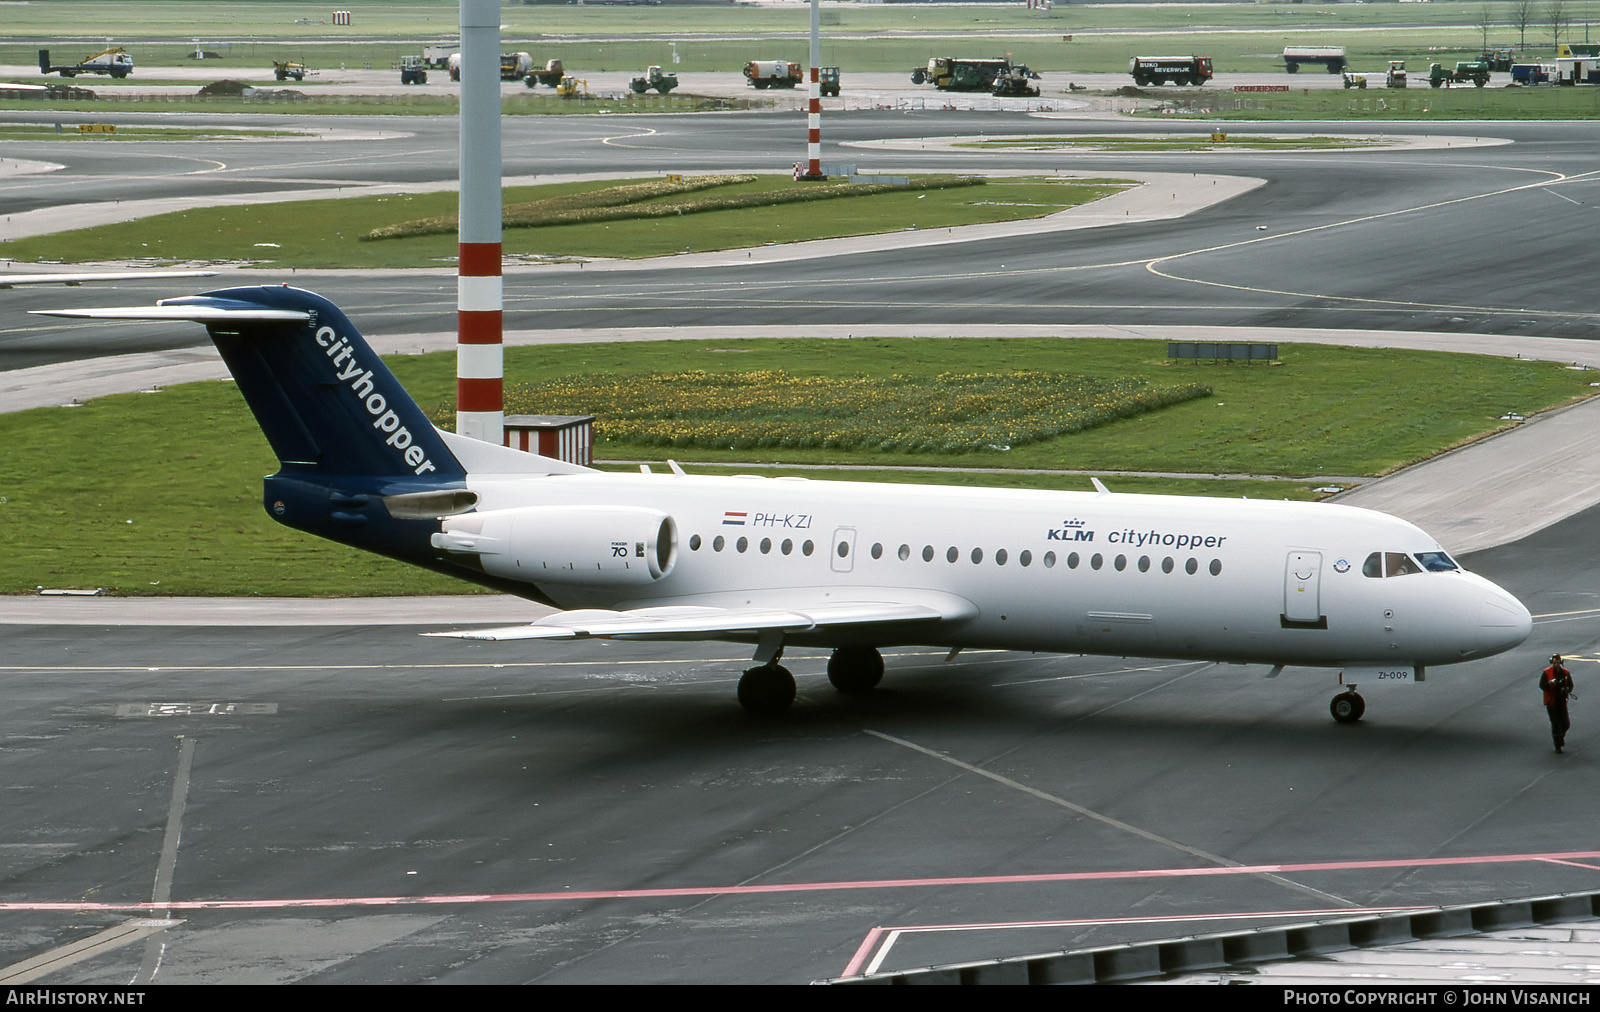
x=732, y=519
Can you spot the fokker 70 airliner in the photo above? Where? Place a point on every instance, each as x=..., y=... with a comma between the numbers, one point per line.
x=849, y=566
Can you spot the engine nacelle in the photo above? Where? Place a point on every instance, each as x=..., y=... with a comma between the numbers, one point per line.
x=573, y=545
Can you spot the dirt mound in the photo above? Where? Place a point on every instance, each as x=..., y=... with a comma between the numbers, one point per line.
x=1129, y=91
x=230, y=88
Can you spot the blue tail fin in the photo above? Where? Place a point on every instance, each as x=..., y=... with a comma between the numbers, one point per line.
x=324, y=399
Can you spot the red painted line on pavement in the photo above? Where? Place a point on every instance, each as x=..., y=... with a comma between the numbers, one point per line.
x=802, y=887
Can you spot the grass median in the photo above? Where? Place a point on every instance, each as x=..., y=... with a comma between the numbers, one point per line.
x=278, y=235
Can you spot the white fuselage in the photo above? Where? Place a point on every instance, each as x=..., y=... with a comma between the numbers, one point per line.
x=1105, y=573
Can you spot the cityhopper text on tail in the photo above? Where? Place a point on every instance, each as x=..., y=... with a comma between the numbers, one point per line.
x=850, y=567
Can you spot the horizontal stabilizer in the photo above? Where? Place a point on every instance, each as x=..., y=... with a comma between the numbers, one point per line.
x=196, y=310
x=692, y=620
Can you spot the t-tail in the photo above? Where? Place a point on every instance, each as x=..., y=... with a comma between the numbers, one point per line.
x=359, y=461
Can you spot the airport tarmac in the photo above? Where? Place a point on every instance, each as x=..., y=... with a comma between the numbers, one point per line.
x=317, y=794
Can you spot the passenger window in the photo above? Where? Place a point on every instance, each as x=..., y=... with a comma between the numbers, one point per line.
x=787, y=546
x=953, y=554
x=807, y=548
x=1072, y=560
x=1399, y=564
x=766, y=546
x=877, y=551
x=742, y=544
x=1000, y=557
x=1216, y=567
x=905, y=552
x=1121, y=562
x=717, y=543
x=1373, y=567
x=1049, y=560
x=1026, y=558
x=1166, y=564
x=1095, y=561
x=927, y=553
x=977, y=556
x=1144, y=563
x=694, y=543
x=1191, y=567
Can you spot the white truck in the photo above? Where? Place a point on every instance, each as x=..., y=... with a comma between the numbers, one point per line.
x=115, y=61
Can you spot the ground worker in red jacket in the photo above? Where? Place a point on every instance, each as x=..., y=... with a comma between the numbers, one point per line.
x=1556, y=682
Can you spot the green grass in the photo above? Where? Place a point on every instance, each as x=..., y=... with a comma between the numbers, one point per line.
x=233, y=233
x=1413, y=103
x=160, y=493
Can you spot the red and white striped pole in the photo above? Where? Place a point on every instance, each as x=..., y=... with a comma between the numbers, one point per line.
x=480, y=361
x=814, y=112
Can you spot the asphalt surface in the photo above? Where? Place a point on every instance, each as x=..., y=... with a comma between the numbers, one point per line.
x=357, y=804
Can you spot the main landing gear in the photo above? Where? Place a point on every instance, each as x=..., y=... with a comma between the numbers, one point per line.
x=1348, y=706
x=768, y=689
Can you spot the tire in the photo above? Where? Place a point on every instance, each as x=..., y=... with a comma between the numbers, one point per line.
x=855, y=670
x=1293, y=68
x=766, y=691
x=1347, y=707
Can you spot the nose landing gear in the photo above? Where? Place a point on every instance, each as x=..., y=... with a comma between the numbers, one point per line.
x=1348, y=706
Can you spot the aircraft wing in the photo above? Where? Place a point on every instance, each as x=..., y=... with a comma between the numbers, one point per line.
x=712, y=622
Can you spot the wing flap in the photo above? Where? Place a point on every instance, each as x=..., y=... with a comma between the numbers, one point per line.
x=711, y=622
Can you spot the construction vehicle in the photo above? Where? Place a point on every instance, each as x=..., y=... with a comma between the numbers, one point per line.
x=515, y=66
x=115, y=61
x=571, y=87
x=1331, y=57
x=551, y=75
x=829, y=80
x=1015, y=82
x=1190, y=70
x=1396, y=77
x=948, y=73
x=1354, y=80
x=438, y=57
x=413, y=70
x=284, y=71
x=1498, y=59
x=773, y=73
x=1476, y=71
x=653, y=78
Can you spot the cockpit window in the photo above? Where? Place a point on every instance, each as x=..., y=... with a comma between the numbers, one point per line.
x=1382, y=564
x=1437, y=562
x=1399, y=564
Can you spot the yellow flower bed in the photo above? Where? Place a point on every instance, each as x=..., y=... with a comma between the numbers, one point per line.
x=947, y=413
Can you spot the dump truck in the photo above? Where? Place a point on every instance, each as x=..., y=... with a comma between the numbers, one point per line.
x=115, y=61
x=413, y=70
x=1331, y=57
x=550, y=76
x=284, y=71
x=1191, y=70
x=653, y=79
x=828, y=77
x=1476, y=71
x=773, y=73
